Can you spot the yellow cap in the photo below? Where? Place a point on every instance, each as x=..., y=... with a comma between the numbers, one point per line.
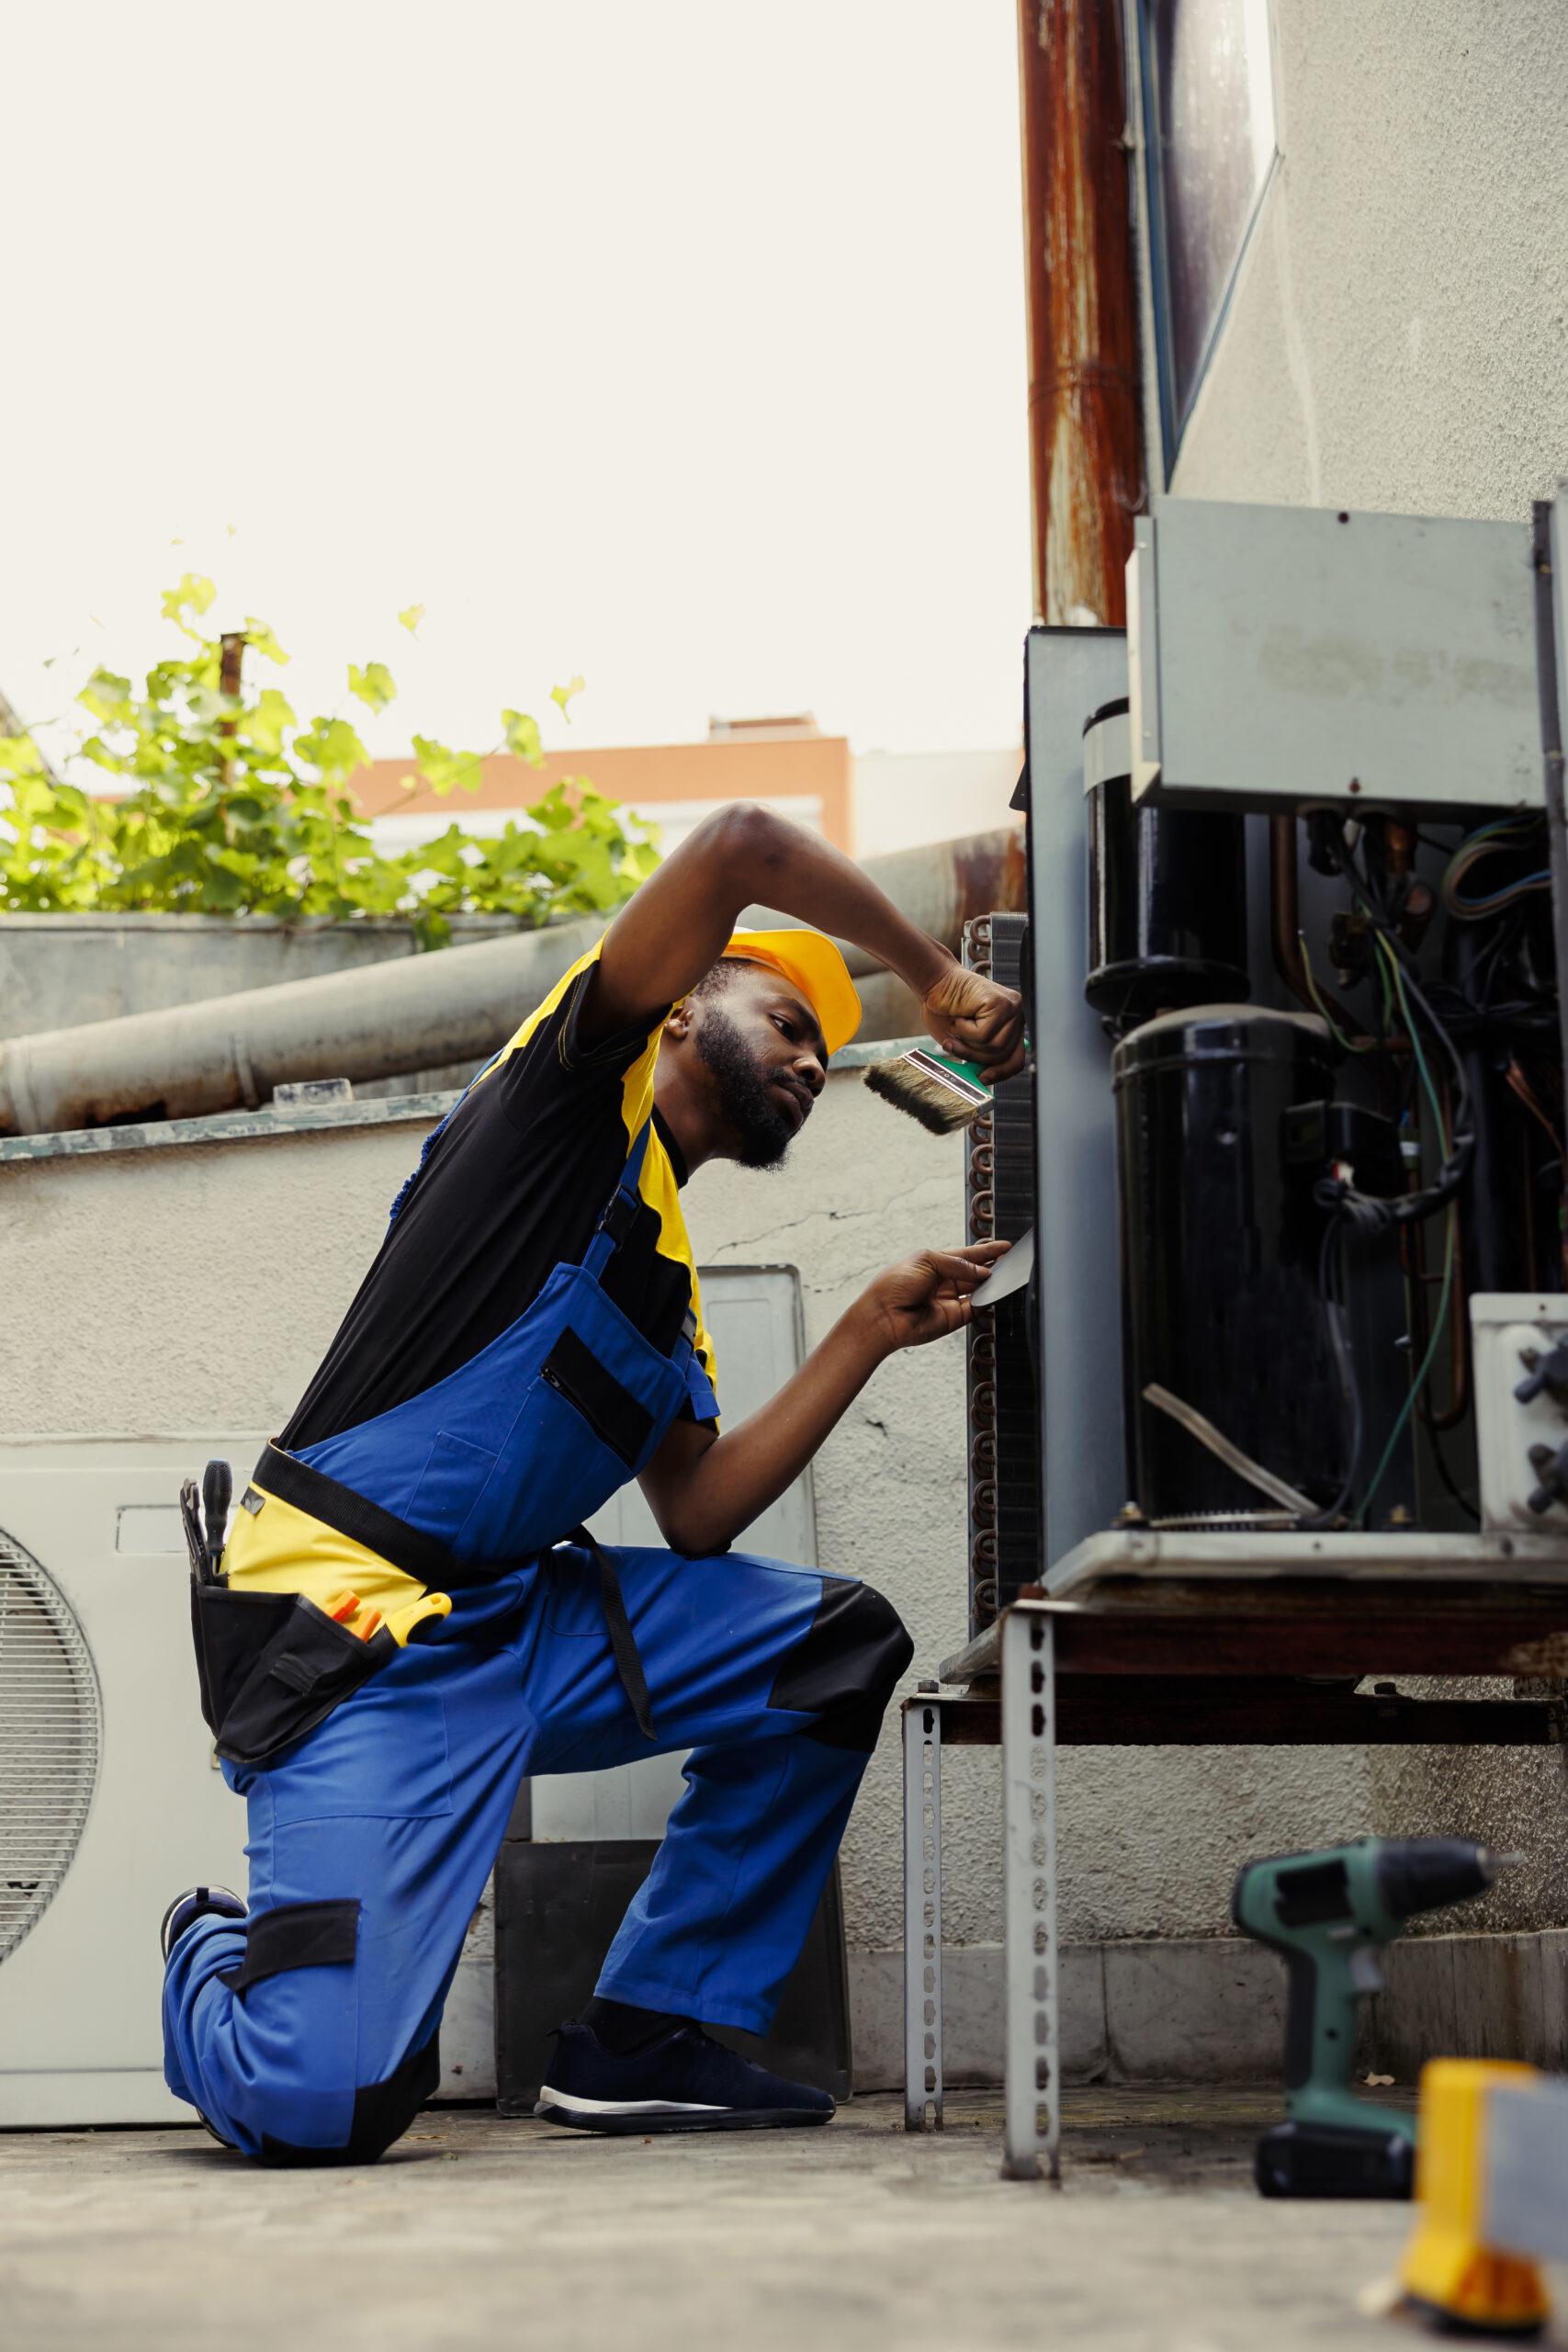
x=809, y=962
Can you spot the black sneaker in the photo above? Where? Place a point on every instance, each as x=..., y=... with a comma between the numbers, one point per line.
x=685, y=2082
x=195, y=1903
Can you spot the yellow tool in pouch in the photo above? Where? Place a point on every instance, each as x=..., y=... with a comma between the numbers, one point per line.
x=295, y=1620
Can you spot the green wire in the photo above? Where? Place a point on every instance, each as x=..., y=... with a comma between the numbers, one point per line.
x=1441, y=1317
x=1343, y=1042
x=1387, y=1000
x=1393, y=963
x=1421, y=1380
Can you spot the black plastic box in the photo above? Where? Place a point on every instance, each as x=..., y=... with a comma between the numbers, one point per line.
x=556, y=1910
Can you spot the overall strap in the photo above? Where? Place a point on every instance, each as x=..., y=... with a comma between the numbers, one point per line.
x=411, y=1178
x=620, y=1214
x=622, y=1641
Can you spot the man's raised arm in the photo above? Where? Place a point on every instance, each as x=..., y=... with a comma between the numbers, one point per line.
x=679, y=922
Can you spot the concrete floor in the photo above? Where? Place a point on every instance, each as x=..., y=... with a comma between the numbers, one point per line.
x=477, y=2232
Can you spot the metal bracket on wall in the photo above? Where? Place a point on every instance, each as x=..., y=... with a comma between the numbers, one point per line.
x=922, y=1917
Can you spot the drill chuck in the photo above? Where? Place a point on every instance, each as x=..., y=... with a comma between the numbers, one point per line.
x=1424, y=1873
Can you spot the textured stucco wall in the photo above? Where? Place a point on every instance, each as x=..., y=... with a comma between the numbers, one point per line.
x=195, y=1289
x=1399, y=335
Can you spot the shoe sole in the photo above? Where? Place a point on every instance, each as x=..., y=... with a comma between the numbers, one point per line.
x=640, y=2126
x=208, y=1911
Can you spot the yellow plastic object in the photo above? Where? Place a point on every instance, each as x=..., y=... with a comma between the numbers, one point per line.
x=278, y=1548
x=1448, y=2269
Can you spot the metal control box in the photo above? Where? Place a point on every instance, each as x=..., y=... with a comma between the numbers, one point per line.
x=1294, y=653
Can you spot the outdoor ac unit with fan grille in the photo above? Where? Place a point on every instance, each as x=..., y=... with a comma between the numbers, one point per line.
x=110, y=1797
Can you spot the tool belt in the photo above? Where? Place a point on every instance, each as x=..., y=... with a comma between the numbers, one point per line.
x=272, y=1665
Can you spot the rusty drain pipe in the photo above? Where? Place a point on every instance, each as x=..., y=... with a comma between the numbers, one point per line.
x=1084, y=421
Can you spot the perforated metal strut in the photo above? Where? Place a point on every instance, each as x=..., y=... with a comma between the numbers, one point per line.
x=922, y=1918
x=1033, y=1952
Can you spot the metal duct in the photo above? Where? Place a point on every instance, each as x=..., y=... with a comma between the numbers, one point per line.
x=385, y=1019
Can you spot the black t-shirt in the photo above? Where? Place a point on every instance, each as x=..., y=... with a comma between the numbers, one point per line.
x=512, y=1186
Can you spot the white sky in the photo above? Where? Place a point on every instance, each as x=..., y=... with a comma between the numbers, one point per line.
x=679, y=345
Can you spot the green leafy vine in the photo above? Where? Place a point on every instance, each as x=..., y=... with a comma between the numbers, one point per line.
x=223, y=802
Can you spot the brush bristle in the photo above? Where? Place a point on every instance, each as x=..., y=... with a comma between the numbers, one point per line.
x=941, y=1103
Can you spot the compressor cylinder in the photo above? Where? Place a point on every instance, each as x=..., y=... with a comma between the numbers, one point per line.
x=1166, y=891
x=1220, y=1240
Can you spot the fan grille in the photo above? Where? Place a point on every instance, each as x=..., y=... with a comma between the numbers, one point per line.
x=50, y=1736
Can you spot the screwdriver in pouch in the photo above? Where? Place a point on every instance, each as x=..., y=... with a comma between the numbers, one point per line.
x=216, y=1491
x=190, y=1520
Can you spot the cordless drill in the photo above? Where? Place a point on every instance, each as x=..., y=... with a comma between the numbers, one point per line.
x=1326, y=1914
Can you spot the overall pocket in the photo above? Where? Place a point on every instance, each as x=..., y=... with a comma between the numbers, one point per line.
x=576, y=1441
x=230, y=1631
x=611, y=1410
x=272, y=1665
x=455, y=1471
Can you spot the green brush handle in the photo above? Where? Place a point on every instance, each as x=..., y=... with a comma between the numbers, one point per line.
x=971, y=1070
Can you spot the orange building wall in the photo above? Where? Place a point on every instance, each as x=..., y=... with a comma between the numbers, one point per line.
x=734, y=770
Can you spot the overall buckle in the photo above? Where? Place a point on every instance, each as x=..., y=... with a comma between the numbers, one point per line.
x=619, y=1217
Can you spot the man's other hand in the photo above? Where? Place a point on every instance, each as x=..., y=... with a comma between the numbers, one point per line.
x=927, y=1296
x=977, y=1021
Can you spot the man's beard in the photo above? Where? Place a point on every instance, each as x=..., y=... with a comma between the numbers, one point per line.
x=744, y=1097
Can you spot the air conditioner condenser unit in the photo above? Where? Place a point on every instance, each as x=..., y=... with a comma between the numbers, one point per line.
x=110, y=1796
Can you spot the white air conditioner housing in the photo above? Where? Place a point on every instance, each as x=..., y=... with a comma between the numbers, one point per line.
x=110, y=1797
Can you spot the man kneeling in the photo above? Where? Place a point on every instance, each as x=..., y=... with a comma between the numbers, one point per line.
x=413, y=1615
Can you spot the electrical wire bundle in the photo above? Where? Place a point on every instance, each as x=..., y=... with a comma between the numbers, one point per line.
x=1505, y=834
x=1382, y=899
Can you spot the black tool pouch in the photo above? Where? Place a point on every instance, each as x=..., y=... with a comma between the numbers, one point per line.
x=272, y=1665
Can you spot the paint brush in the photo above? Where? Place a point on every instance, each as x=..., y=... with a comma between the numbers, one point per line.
x=934, y=1088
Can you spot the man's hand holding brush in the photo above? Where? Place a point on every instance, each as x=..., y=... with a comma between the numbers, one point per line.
x=976, y=1020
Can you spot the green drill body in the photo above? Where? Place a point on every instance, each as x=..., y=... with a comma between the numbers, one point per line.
x=1326, y=1913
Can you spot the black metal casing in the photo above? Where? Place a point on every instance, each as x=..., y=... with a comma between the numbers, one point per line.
x=1220, y=1258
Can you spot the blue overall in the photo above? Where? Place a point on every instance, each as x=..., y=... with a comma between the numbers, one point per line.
x=307, y=2033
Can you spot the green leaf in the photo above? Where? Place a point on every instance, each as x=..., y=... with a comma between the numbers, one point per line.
x=411, y=618
x=373, y=685
x=332, y=745
x=20, y=756
x=522, y=736
x=266, y=725
x=193, y=595
x=442, y=769
x=258, y=634
x=563, y=695
x=109, y=698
